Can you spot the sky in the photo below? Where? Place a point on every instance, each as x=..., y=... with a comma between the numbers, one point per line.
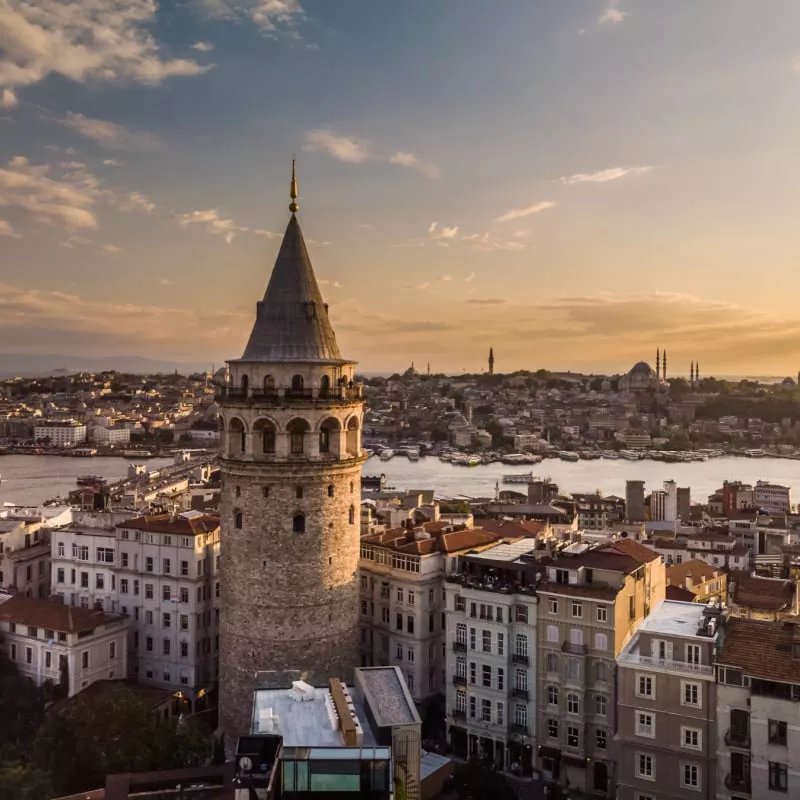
x=572, y=182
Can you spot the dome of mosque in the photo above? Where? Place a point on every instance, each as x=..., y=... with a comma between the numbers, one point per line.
x=642, y=368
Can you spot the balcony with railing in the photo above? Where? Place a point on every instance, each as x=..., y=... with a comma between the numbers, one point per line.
x=520, y=658
x=458, y=714
x=284, y=394
x=738, y=783
x=510, y=583
x=459, y=647
x=737, y=738
x=520, y=693
x=459, y=680
x=519, y=727
x=574, y=649
x=684, y=667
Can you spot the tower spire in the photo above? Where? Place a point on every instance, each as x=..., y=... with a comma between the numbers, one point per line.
x=293, y=206
x=691, y=373
x=664, y=376
x=658, y=363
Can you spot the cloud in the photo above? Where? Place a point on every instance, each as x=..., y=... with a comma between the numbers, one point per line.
x=111, y=162
x=8, y=99
x=344, y=148
x=111, y=249
x=421, y=286
x=136, y=201
x=211, y=221
x=7, y=229
x=603, y=175
x=611, y=14
x=203, y=47
x=110, y=134
x=469, y=278
x=444, y=232
x=326, y=282
x=165, y=281
x=412, y=162
x=270, y=16
x=65, y=201
x=446, y=278
x=487, y=301
x=485, y=241
x=82, y=40
x=524, y=211
x=354, y=150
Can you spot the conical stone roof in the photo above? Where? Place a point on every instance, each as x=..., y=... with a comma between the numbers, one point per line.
x=292, y=320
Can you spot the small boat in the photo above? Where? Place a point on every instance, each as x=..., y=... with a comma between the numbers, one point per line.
x=90, y=480
x=566, y=455
x=386, y=455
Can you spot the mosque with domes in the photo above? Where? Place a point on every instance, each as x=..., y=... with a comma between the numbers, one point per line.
x=643, y=378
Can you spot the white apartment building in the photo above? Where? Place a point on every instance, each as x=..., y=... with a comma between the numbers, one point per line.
x=772, y=498
x=758, y=714
x=50, y=641
x=25, y=556
x=491, y=656
x=109, y=436
x=60, y=434
x=401, y=574
x=162, y=572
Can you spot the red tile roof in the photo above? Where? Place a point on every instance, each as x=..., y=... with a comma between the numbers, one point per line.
x=761, y=649
x=631, y=548
x=513, y=528
x=178, y=525
x=763, y=594
x=677, y=593
x=52, y=616
x=570, y=590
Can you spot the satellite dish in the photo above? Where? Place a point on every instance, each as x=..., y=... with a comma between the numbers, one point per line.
x=245, y=764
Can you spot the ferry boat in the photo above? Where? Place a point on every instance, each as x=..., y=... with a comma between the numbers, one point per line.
x=755, y=453
x=90, y=480
x=566, y=455
x=518, y=477
x=386, y=455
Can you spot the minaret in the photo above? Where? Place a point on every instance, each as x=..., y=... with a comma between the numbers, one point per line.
x=664, y=376
x=691, y=373
x=491, y=361
x=290, y=463
x=658, y=364
x=697, y=372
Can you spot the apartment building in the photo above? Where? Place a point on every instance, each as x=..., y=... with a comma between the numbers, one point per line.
x=702, y=581
x=491, y=655
x=666, y=710
x=25, y=556
x=162, y=572
x=751, y=596
x=591, y=601
x=772, y=498
x=49, y=641
x=758, y=713
x=716, y=549
x=402, y=600
x=60, y=434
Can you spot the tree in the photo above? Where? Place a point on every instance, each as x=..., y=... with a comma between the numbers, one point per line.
x=22, y=705
x=95, y=735
x=20, y=781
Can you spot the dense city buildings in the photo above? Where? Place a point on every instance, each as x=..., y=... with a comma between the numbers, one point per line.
x=291, y=457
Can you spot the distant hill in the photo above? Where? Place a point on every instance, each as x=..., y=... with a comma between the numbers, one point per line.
x=35, y=365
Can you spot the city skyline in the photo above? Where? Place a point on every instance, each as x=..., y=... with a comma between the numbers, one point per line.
x=574, y=185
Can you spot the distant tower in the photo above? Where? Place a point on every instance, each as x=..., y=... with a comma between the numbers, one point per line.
x=658, y=364
x=664, y=376
x=491, y=361
x=290, y=463
x=691, y=374
x=697, y=372
x=429, y=368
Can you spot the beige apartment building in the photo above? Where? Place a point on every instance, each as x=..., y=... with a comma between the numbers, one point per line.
x=592, y=600
x=25, y=556
x=402, y=600
x=666, y=710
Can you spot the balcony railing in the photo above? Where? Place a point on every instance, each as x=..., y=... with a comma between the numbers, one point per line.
x=575, y=649
x=520, y=658
x=738, y=783
x=458, y=714
x=280, y=395
x=490, y=585
x=518, y=727
x=674, y=666
x=459, y=680
x=459, y=647
x=740, y=739
x=522, y=694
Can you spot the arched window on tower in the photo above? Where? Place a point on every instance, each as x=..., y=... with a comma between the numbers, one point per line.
x=324, y=440
x=245, y=384
x=264, y=432
x=298, y=492
x=297, y=383
x=352, y=437
x=352, y=487
x=238, y=520
x=330, y=490
x=352, y=515
x=324, y=385
x=237, y=438
x=297, y=436
x=269, y=384
x=329, y=436
x=298, y=524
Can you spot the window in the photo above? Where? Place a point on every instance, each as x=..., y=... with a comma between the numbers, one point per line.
x=552, y=695
x=486, y=710
x=166, y=620
x=351, y=515
x=573, y=669
x=59, y=576
x=61, y=549
x=601, y=739
x=84, y=580
x=100, y=580
x=29, y=655
x=48, y=659
x=148, y=617
x=112, y=650
x=501, y=679
x=645, y=724
x=166, y=593
x=551, y=662
x=573, y=736
x=501, y=713
x=410, y=655
x=148, y=644
x=521, y=716
x=298, y=492
x=573, y=703
x=521, y=613
x=499, y=612
x=552, y=633
x=184, y=622
x=645, y=766
x=410, y=624
x=690, y=776
x=500, y=643
x=552, y=728
x=691, y=738
x=632, y=607
x=473, y=671
x=184, y=594
x=600, y=671
x=600, y=705
x=521, y=642
x=265, y=491
x=645, y=686
x=600, y=641
x=298, y=524
x=602, y=613
x=148, y=564
x=778, y=777
x=692, y=653
x=576, y=636
x=13, y=652
x=399, y=652
x=690, y=694
x=776, y=732
x=486, y=641
x=184, y=568
x=577, y=610
x=521, y=680
x=148, y=591
x=85, y=659
x=552, y=606
x=184, y=649
x=472, y=705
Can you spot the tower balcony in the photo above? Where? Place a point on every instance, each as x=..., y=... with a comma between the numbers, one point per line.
x=285, y=395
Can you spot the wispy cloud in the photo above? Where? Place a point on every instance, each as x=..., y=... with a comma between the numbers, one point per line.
x=485, y=241
x=110, y=134
x=525, y=211
x=111, y=162
x=8, y=99
x=105, y=40
x=136, y=201
x=7, y=229
x=611, y=14
x=212, y=222
x=603, y=175
x=355, y=150
x=487, y=301
x=420, y=287
x=470, y=277
x=326, y=282
x=271, y=17
x=446, y=278
x=203, y=47
x=111, y=249
x=443, y=232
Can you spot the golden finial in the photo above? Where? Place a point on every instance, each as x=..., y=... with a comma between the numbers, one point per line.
x=293, y=207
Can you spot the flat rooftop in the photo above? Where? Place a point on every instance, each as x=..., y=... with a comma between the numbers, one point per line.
x=304, y=724
x=505, y=552
x=387, y=696
x=675, y=618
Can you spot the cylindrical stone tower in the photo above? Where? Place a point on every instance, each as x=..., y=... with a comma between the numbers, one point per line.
x=290, y=427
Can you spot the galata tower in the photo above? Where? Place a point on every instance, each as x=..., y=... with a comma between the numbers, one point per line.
x=290, y=460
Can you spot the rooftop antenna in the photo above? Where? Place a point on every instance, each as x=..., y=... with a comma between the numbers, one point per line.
x=293, y=206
